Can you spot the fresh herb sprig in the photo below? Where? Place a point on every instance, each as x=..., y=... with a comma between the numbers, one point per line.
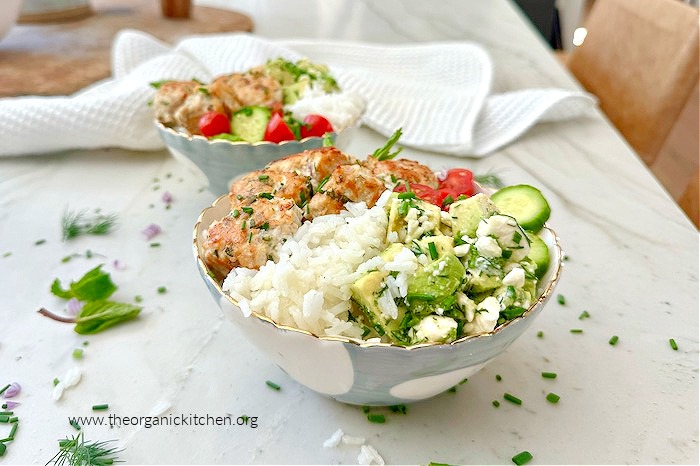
x=75, y=451
x=489, y=179
x=82, y=222
x=384, y=152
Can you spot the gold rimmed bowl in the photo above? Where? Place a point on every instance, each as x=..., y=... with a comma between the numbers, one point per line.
x=366, y=373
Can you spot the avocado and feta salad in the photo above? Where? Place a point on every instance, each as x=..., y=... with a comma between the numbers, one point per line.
x=449, y=274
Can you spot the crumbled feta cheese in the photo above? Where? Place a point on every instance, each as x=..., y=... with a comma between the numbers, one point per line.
x=435, y=328
x=368, y=456
x=71, y=379
x=467, y=305
x=508, y=234
x=462, y=250
x=350, y=440
x=515, y=277
x=334, y=439
x=485, y=318
x=488, y=247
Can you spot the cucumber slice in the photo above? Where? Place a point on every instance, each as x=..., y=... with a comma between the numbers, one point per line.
x=249, y=123
x=525, y=203
x=539, y=254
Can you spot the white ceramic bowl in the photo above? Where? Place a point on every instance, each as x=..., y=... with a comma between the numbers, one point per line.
x=221, y=161
x=9, y=11
x=364, y=373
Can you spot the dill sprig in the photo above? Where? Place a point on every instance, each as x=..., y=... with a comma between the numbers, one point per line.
x=76, y=451
x=81, y=223
x=489, y=179
x=384, y=152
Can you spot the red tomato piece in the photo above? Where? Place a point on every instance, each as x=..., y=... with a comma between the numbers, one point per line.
x=315, y=126
x=422, y=191
x=446, y=197
x=459, y=180
x=277, y=107
x=213, y=123
x=277, y=130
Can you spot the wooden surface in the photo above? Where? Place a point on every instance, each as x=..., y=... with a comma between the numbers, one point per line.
x=62, y=58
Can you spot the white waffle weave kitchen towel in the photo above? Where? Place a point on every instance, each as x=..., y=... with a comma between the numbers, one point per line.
x=439, y=93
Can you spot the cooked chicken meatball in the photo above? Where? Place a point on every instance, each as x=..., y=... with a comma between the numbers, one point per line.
x=266, y=183
x=313, y=163
x=168, y=99
x=199, y=102
x=347, y=183
x=243, y=89
x=247, y=236
x=396, y=171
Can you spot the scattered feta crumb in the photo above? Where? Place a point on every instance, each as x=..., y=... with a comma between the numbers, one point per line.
x=350, y=440
x=71, y=379
x=368, y=456
x=515, y=277
x=334, y=439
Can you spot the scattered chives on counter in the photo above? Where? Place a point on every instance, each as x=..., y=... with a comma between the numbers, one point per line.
x=512, y=398
x=78, y=353
x=162, y=289
x=75, y=425
x=4, y=418
x=496, y=403
x=540, y=334
x=39, y=242
x=365, y=409
x=584, y=315
x=56, y=381
x=613, y=340
x=2, y=390
x=3, y=449
x=498, y=377
x=673, y=344
x=376, y=418
x=155, y=245
x=101, y=407
x=561, y=299
x=576, y=330
x=553, y=398
x=273, y=385
x=549, y=375
x=521, y=458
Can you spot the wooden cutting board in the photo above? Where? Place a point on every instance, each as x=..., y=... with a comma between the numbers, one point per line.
x=62, y=58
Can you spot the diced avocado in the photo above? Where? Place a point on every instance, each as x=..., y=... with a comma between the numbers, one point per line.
x=438, y=279
x=249, y=123
x=467, y=213
x=400, y=212
x=293, y=92
x=366, y=290
x=482, y=282
x=443, y=244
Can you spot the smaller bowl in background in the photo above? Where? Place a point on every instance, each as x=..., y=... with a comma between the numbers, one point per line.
x=221, y=161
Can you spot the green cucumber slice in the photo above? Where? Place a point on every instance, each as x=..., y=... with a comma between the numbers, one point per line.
x=525, y=203
x=249, y=123
x=539, y=254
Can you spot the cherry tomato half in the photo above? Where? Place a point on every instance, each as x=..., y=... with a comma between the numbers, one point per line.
x=277, y=130
x=277, y=107
x=315, y=125
x=459, y=180
x=213, y=123
x=447, y=196
x=422, y=191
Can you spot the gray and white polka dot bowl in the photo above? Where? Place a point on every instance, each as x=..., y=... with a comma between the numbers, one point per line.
x=374, y=374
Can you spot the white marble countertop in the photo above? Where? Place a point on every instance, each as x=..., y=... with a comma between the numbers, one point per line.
x=633, y=266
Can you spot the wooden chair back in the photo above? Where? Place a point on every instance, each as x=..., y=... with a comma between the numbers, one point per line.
x=640, y=58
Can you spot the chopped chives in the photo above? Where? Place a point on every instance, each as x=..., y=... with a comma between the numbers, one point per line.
x=75, y=425
x=452, y=389
x=101, y=407
x=613, y=340
x=365, y=409
x=155, y=245
x=2, y=390
x=266, y=195
x=6, y=413
x=13, y=431
x=4, y=418
x=407, y=195
x=272, y=385
x=376, y=418
x=673, y=344
x=565, y=258
x=553, y=398
x=39, y=242
x=14, y=419
x=512, y=398
x=263, y=177
x=521, y=458
x=584, y=315
x=3, y=449
x=540, y=334
x=398, y=409
x=138, y=298
x=432, y=249
x=265, y=226
x=55, y=381
x=549, y=375
x=78, y=353
x=498, y=377
x=561, y=299
x=496, y=403
x=464, y=381
x=162, y=289
x=247, y=210
x=235, y=213
x=576, y=330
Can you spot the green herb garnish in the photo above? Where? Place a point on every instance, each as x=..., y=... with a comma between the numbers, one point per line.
x=101, y=407
x=512, y=398
x=553, y=398
x=433, y=251
x=561, y=299
x=549, y=375
x=673, y=344
x=576, y=330
x=489, y=179
x=384, y=152
x=376, y=418
x=521, y=458
x=613, y=340
x=272, y=385
x=79, y=223
x=94, y=285
x=584, y=315
x=76, y=451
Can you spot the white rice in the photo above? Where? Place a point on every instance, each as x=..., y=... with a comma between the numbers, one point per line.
x=309, y=286
x=342, y=109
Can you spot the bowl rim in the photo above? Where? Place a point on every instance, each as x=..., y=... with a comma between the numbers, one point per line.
x=198, y=137
x=542, y=298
